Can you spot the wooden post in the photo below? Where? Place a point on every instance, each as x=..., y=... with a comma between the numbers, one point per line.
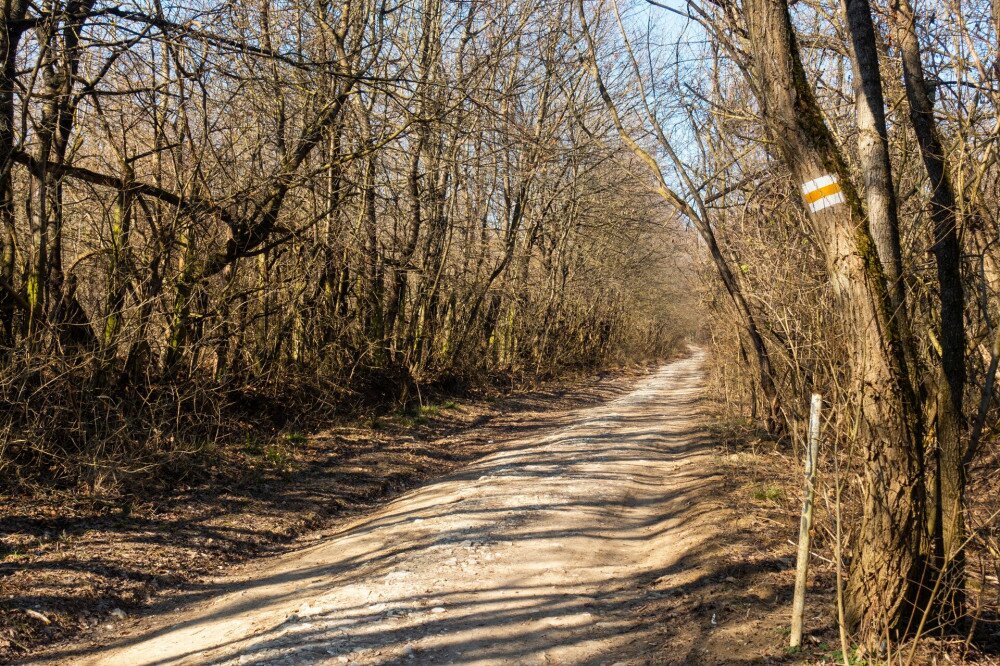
x=805, y=525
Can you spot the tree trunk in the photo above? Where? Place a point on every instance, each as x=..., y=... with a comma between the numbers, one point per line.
x=11, y=15
x=873, y=149
x=946, y=514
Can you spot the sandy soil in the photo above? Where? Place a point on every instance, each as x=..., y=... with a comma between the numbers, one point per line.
x=542, y=553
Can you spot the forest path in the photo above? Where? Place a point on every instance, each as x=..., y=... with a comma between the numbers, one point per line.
x=544, y=553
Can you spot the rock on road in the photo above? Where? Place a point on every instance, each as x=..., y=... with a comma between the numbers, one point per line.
x=539, y=554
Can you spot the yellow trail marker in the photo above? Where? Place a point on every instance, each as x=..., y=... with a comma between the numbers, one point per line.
x=822, y=192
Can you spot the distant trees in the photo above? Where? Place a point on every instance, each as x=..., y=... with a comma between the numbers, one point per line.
x=201, y=205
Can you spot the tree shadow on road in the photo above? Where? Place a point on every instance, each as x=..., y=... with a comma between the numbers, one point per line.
x=710, y=602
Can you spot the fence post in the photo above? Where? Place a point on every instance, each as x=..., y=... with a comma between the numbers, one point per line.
x=805, y=524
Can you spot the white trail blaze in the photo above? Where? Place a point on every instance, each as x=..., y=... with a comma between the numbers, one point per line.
x=822, y=192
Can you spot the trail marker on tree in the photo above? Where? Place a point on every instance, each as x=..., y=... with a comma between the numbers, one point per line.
x=822, y=192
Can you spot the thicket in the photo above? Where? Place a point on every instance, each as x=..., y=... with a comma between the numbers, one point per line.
x=219, y=215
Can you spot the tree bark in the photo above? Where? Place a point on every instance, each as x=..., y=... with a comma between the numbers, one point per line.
x=873, y=149
x=948, y=486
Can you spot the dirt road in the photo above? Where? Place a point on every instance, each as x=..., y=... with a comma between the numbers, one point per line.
x=539, y=554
